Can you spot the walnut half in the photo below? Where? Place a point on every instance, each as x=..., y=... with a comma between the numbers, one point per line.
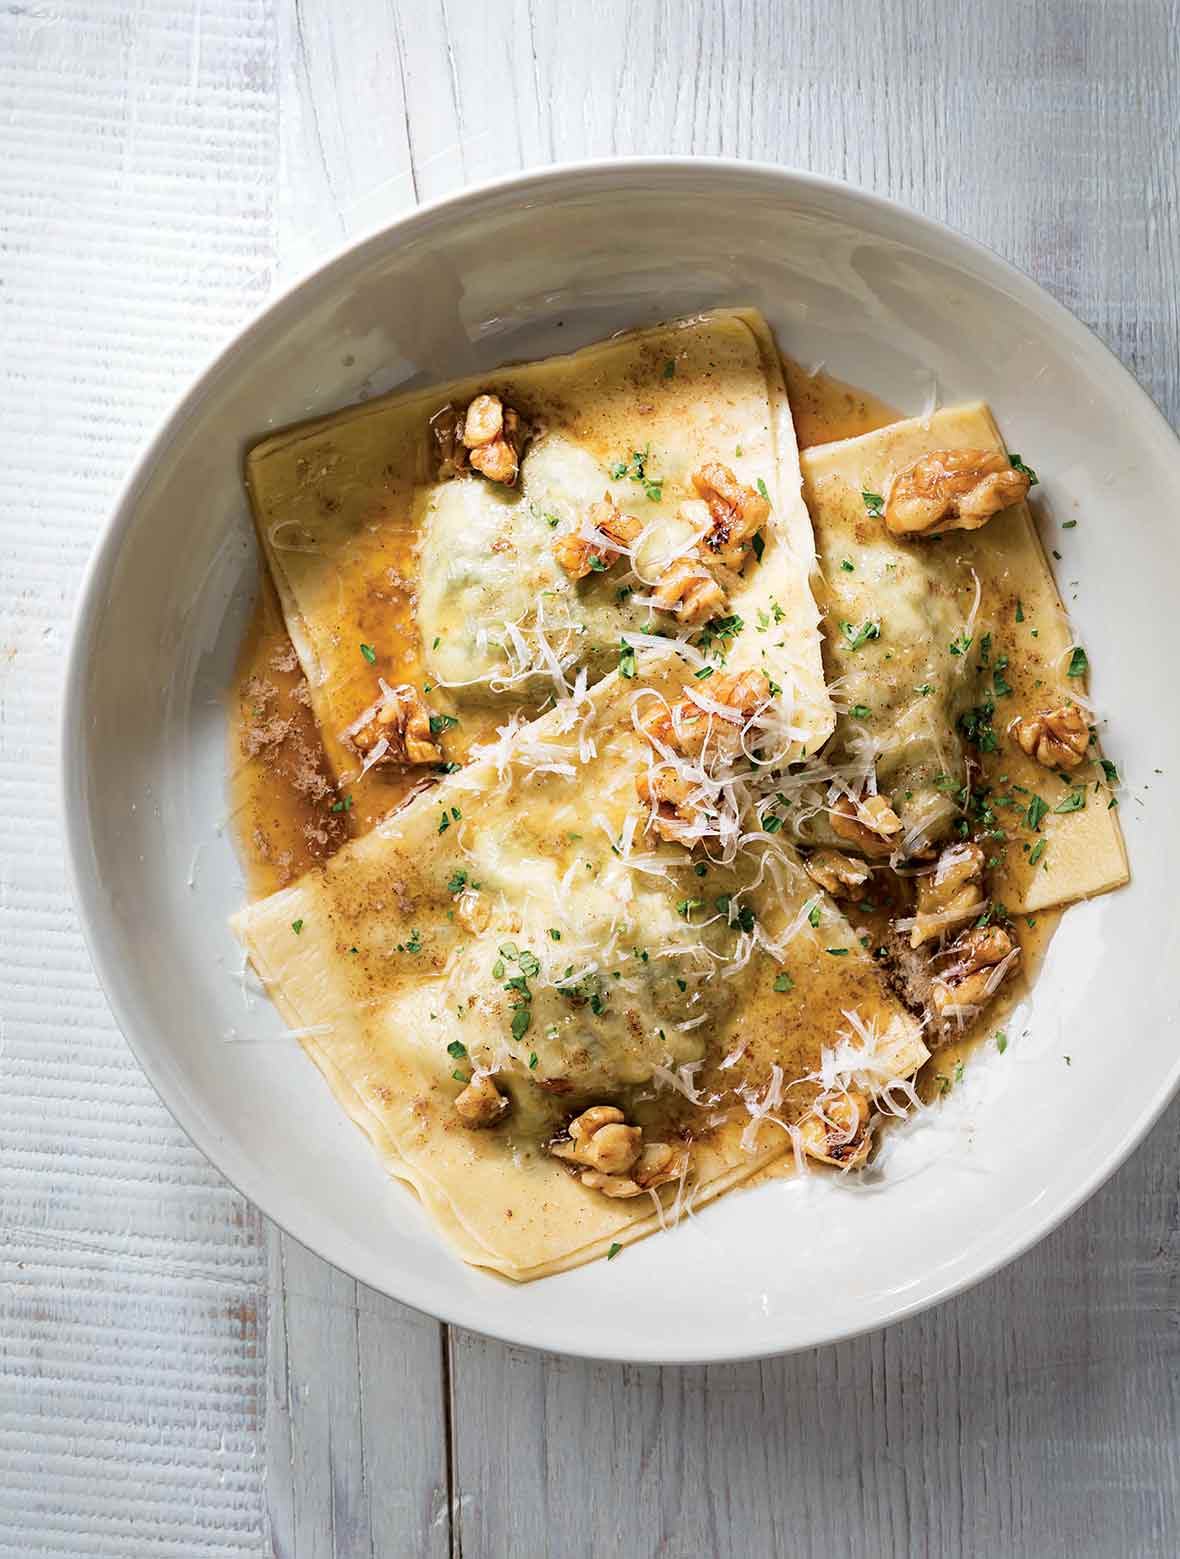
x=481, y=1103
x=840, y=875
x=1057, y=738
x=617, y=1160
x=972, y=976
x=870, y=824
x=487, y=437
x=579, y=557
x=403, y=722
x=952, y=489
x=949, y=895
x=838, y=1130
x=738, y=512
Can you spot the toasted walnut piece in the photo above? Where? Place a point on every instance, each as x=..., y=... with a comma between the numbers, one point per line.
x=689, y=590
x=1058, y=738
x=839, y=1132
x=951, y=894
x=403, y=722
x=869, y=824
x=579, y=557
x=481, y=1103
x=952, y=489
x=974, y=972
x=473, y=910
x=658, y=1163
x=668, y=795
x=686, y=727
x=493, y=436
x=601, y=1139
x=484, y=421
x=840, y=875
x=738, y=512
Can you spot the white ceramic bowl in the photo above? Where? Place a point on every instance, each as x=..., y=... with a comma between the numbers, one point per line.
x=518, y=269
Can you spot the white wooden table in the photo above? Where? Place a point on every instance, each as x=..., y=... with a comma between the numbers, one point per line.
x=177, y=1378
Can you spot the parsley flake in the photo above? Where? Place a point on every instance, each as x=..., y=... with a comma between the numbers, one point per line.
x=369, y=653
x=1018, y=465
x=855, y=637
x=874, y=503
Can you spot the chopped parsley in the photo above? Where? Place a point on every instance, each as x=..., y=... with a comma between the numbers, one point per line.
x=1108, y=768
x=597, y=564
x=460, y=1077
x=414, y=945
x=855, y=637
x=441, y=723
x=1078, y=663
x=761, y=486
x=1019, y=610
x=758, y=545
x=961, y=645
x=686, y=906
x=669, y=368
x=636, y=468
x=717, y=632
x=444, y=822
x=369, y=653
x=627, y=660
x=614, y=1250
x=783, y=983
x=555, y=934
x=1074, y=802
x=297, y=926
x=1037, y=809
x=1038, y=850
x=860, y=711
x=1018, y=465
x=457, y=1050
x=813, y=915
x=975, y=726
x=874, y=503
x=923, y=688
x=1001, y=1041
x=772, y=823
x=457, y=883
x=847, y=565
x=342, y=805
x=533, y=1061
x=837, y=952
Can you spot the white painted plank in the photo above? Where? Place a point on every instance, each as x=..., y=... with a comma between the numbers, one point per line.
x=136, y=193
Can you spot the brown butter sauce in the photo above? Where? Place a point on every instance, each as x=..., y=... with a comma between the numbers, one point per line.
x=284, y=806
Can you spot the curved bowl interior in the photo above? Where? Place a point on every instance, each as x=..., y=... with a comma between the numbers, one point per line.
x=518, y=270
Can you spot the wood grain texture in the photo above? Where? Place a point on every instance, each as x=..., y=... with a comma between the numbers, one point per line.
x=132, y=1279
x=164, y=162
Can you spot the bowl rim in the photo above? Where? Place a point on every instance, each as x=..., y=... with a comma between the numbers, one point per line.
x=787, y=182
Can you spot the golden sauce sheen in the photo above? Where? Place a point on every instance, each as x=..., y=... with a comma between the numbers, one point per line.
x=826, y=409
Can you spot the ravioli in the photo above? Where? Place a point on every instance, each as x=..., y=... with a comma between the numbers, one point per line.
x=385, y=573
x=966, y=633
x=644, y=973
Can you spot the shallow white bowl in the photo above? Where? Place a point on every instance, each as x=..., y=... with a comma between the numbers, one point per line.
x=518, y=269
